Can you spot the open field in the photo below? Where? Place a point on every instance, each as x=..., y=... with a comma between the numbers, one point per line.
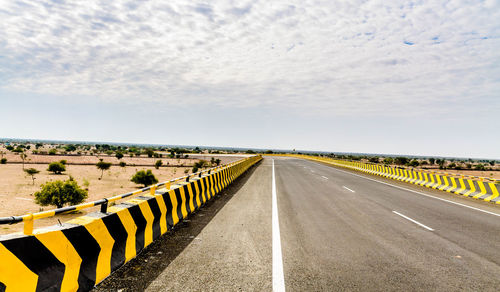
x=17, y=189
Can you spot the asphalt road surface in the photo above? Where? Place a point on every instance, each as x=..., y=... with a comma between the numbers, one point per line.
x=334, y=230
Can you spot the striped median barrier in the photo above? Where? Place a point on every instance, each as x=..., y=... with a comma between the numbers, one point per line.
x=470, y=186
x=77, y=255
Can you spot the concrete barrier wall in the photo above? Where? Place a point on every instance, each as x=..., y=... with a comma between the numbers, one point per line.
x=475, y=187
x=80, y=253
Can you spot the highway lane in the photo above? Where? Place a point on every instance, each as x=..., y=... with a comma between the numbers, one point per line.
x=339, y=231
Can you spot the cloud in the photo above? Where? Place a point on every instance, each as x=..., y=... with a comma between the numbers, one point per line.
x=330, y=57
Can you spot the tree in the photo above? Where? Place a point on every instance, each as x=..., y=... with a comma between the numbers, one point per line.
x=374, y=159
x=145, y=178
x=388, y=160
x=56, y=167
x=70, y=148
x=217, y=161
x=401, y=160
x=52, y=151
x=492, y=162
x=432, y=160
x=23, y=157
x=149, y=152
x=3, y=161
x=414, y=163
x=119, y=155
x=158, y=163
x=103, y=166
x=59, y=193
x=32, y=172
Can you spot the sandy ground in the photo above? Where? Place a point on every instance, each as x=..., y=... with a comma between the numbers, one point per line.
x=17, y=189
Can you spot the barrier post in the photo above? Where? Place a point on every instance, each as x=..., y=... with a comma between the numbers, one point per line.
x=152, y=190
x=28, y=225
x=104, y=206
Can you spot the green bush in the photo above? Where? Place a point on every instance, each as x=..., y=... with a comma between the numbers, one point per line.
x=145, y=178
x=123, y=164
x=158, y=163
x=3, y=161
x=56, y=167
x=401, y=160
x=119, y=155
x=52, y=151
x=63, y=162
x=59, y=193
x=388, y=160
x=32, y=172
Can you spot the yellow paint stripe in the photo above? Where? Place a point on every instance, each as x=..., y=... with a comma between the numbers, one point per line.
x=64, y=251
x=454, y=185
x=438, y=182
x=130, y=227
x=472, y=188
x=100, y=233
x=495, y=192
x=173, y=199
x=14, y=274
x=482, y=188
x=163, y=217
x=148, y=215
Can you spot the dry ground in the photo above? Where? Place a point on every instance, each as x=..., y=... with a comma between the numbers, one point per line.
x=16, y=188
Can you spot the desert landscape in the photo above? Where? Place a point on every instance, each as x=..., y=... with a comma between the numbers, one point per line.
x=17, y=187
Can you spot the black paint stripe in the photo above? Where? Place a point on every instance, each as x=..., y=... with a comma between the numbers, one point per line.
x=168, y=204
x=141, y=223
x=88, y=249
x=119, y=233
x=2, y=287
x=39, y=260
x=155, y=209
x=177, y=192
x=188, y=198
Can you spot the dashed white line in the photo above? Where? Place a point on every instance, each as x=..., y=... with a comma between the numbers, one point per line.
x=324, y=177
x=414, y=221
x=278, y=276
x=348, y=189
x=420, y=193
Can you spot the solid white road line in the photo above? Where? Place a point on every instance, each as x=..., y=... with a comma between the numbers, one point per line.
x=278, y=276
x=414, y=221
x=420, y=193
x=324, y=177
x=348, y=189
x=19, y=198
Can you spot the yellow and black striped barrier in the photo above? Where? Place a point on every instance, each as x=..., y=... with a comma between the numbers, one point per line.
x=471, y=186
x=80, y=253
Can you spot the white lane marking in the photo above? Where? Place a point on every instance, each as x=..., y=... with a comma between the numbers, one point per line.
x=278, y=276
x=324, y=177
x=19, y=198
x=414, y=221
x=423, y=194
x=348, y=189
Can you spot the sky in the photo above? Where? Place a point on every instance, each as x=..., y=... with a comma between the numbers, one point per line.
x=376, y=76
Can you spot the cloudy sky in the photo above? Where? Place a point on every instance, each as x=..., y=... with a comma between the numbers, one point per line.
x=377, y=76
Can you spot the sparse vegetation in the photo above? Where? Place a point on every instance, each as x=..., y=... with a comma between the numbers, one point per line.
x=58, y=193
x=3, y=161
x=145, y=178
x=123, y=164
x=56, y=167
x=158, y=163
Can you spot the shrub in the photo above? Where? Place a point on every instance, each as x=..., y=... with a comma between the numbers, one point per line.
x=63, y=162
x=52, y=151
x=119, y=155
x=374, y=159
x=3, y=161
x=158, y=163
x=103, y=166
x=59, y=193
x=480, y=166
x=123, y=164
x=56, y=167
x=414, y=163
x=432, y=160
x=145, y=178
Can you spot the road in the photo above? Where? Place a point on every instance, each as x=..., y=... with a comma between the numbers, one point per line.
x=338, y=230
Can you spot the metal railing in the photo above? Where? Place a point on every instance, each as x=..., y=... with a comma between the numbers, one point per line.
x=29, y=218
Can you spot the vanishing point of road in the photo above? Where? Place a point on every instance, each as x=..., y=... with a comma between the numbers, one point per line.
x=298, y=225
